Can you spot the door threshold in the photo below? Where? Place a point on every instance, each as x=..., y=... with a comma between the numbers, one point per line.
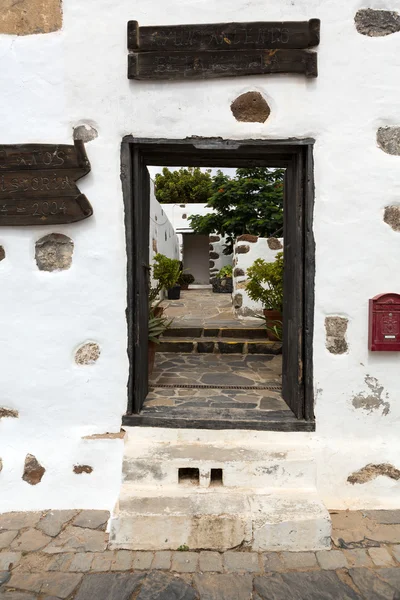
x=199, y=418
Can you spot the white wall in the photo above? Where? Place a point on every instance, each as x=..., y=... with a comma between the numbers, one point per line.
x=163, y=238
x=52, y=82
x=258, y=249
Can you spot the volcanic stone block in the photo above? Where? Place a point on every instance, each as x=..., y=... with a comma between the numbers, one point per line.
x=53, y=252
x=274, y=243
x=392, y=217
x=24, y=17
x=238, y=272
x=336, y=328
x=388, y=139
x=377, y=23
x=242, y=249
x=87, y=354
x=247, y=237
x=33, y=470
x=250, y=107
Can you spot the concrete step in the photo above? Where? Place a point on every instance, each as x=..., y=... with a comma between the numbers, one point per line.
x=219, y=520
x=193, y=466
x=243, y=333
x=209, y=345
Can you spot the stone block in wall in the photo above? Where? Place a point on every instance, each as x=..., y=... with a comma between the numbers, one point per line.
x=336, y=328
x=388, y=139
x=377, y=23
x=215, y=238
x=250, y=107
x=53, y=252
x=238, y=272
x=274, y=243
x=242, y=249
x=214, y=255
x=392, y=217
x=247, y=237
x=2, y=253
x=25, y=17
x=237, y=301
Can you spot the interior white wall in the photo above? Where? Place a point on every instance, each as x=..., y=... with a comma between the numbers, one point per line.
x=195, y=257
x=50, y=83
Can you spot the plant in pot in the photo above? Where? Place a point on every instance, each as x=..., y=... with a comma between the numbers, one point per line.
x=222, y=283
x=167, y=271
x=185, y=279
x=265, y=285
x=157, y=326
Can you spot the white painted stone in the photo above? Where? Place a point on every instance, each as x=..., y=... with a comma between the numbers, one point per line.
x=249, y=466
x=219, y=520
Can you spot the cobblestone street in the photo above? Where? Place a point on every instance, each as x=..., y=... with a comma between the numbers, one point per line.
x=66, y=555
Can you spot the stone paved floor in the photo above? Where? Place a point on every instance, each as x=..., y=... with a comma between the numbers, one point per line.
x=216, y=370
x=202, y=307
x=65, y=555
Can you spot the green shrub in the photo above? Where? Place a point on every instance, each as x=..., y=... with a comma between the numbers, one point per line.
x=166, y=271
x=185, y=278
x=265, y=282
x=225, y=271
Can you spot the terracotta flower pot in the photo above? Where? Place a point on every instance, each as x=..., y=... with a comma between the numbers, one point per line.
x=151, y=355
x=271, y=318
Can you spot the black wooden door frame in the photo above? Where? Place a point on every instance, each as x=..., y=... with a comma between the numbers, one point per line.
x=296, y=155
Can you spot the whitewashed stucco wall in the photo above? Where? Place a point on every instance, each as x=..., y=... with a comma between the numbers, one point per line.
x=53, y=82
x=242, y=261
x=163, y=238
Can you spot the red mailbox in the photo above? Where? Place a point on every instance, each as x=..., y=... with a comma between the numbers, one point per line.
x=384, y=323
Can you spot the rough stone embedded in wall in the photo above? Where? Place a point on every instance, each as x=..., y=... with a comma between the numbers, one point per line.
x=242, y=249
x=274, y=243
x=237, y=300
x=9, y=413
x=373, y=399
x=211, y=264
x=247, y=237
x=336, y=328
x=33, y=470
x=2, y=253
x=388, y=139
x=184, y=216
x=79, y=469
x=25, y=17
x=214, y=255
x=154, y=245
x=214, y=238
x=238, y=272
x=371, y=471
x=1, y=465
x=392, y=217
x=87, y=354
x=250, y=107
x=53, y=252
x=377, y=23
x=85, y=133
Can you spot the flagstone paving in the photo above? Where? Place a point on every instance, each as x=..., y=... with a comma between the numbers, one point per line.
x=75, y=562
x=203, y=307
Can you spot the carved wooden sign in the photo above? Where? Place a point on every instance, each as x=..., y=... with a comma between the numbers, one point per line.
x=222, y=49
x=38, y=184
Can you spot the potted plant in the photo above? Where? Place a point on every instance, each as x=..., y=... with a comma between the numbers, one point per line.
x=222, y=283
x=167, y=271
x=265, y=285
x=157, y=326
x=185, y=279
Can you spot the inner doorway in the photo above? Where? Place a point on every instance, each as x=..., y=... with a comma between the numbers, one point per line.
x=296, y=158
x=195, y=251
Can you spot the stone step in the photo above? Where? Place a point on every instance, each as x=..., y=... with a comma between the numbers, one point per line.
x=247, y=333
x=219, y=520
x=194, y=466
x=203, y=345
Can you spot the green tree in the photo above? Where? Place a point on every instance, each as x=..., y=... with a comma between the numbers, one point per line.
x=251, y=202
x=184, y=186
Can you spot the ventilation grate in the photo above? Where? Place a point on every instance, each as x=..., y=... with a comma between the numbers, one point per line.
x=205, y=386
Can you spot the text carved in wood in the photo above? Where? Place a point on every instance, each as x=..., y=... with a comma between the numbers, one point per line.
x=222, y=50
x=38, y=184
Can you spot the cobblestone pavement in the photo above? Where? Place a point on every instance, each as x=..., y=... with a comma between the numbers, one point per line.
x=202, y=307
x=65, y=555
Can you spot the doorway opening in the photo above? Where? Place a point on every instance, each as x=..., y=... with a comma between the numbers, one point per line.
x=290, y=381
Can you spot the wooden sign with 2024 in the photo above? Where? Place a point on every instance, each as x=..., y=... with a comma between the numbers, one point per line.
x=38, y=184
x=222, y=50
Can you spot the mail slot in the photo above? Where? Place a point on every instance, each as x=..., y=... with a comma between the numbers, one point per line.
x=384, y=323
